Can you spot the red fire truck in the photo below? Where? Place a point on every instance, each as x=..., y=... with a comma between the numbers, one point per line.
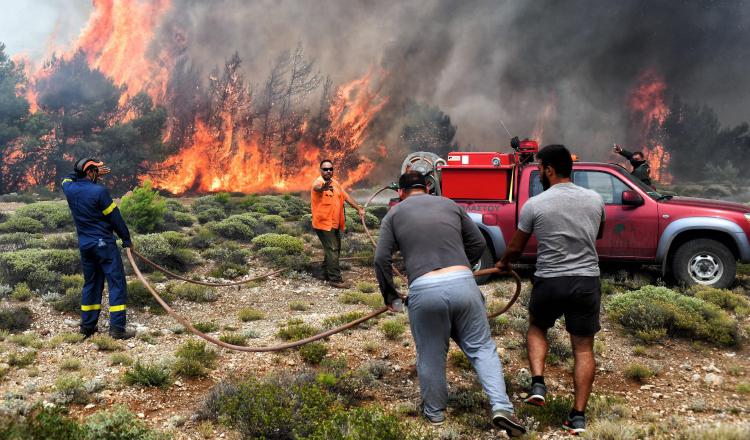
x=695, y=241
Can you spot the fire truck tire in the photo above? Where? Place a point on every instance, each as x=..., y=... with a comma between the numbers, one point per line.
x=485, y=262
x=706, y=262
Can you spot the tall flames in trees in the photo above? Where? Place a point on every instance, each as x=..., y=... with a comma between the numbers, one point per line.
x=226, y=136
x=648, y=112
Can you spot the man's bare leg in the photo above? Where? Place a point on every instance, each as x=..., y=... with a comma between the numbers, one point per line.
x=536, y=343
x=585, y=368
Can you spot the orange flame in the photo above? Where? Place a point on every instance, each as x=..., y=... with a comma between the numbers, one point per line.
x=647, y=105
x=549, y=109
x=224, y=160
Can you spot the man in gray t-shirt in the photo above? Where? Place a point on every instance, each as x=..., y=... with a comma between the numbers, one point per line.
x=567, y=220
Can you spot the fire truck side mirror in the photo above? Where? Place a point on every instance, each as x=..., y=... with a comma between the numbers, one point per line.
x=631, y=198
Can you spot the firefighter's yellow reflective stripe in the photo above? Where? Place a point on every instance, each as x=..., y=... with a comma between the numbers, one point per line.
x=66, y=181
x=91, y=307
x=110, y=208
x=119, y=308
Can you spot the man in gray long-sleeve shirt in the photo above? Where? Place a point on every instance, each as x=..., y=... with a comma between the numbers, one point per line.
x=439, y=243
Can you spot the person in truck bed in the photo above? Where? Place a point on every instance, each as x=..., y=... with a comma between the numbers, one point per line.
x=641, y=168
x=567, y=220
x=440, y=243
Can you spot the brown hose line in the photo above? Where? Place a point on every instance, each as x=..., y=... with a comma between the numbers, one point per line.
x=223, y=344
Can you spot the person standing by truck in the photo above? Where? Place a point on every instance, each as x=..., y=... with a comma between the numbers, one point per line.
x=567, y=220
x=641, y=168
x=439, y=244
x=327, y=205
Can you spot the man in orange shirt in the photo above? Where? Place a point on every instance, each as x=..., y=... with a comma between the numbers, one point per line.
x=327, y=203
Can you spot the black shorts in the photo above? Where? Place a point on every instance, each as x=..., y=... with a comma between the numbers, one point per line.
x=578, y=298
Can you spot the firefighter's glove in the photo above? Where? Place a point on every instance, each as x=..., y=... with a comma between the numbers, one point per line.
x=503, y=267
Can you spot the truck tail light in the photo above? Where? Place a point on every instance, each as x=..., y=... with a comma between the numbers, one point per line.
x=489, y=219
x=747, y=216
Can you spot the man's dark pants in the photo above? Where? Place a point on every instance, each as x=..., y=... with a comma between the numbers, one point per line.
x=102, y=263
x=331, y=241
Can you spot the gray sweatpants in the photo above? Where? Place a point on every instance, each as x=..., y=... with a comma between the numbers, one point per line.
x=452, y=306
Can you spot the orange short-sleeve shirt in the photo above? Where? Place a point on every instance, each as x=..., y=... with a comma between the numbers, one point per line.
x=328, y=206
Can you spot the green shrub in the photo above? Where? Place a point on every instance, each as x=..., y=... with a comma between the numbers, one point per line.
x=234, y=339
x=21, y=240
x=290, y=245
x=392, y=329
x=65, y=241
x=298, y=306
x=206, y=327
x=313, y=352
x=118, y=423
x=184, y=219
x=53, y=215
x=139, y=296
x=296, y=329
x=211, y=215
x=194, y=292
x=215, y=201
x=144, y=209
x=237, y=227
x=344, y=318
x=15, y=319
x=555, y=408
x=458, y=359
x=156, y=247
x=21, y=292
x=74, y=281
x=726, y=299
x=105, y=343
x=41, y=269
x=651, y=336
x=743, y=388
x=22, y=224
x=373, y=300
x=40, y=422
x=651, y=308
x=638, y=372
x=120, y=359
x=66, y=338
x=21, y=359
x=148, y=375
x=367, y=287
x=272, y=220
x=25, y=340
x=271, y=409
x=202, y=239
x=249, y=314
x=71, y=389
x=193, y=359
x=69, y=302
x=361, y=424
x=70, y=364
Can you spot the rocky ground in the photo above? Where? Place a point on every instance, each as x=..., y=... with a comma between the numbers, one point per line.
x=694, y=382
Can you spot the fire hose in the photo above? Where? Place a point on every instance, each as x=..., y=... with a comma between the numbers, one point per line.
x=189, y=327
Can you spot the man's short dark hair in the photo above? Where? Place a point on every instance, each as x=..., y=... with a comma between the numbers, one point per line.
x=558, y=157
x=638, y=152
x=324, y=161
x=412, y=179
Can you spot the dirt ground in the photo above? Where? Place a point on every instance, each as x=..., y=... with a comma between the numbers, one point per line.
x=679, y=388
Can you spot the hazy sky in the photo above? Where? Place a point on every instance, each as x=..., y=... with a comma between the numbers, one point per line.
x=27, y=26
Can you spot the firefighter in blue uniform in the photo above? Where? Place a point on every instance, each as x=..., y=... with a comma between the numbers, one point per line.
x=96, y=217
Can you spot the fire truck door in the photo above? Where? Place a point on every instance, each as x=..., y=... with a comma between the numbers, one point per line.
x=630, y=231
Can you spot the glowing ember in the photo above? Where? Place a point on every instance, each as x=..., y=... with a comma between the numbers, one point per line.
x=649, y=109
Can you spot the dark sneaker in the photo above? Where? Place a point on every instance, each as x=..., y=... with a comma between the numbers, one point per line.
x=537, y=394
x=436, y=420
x=122, y=334
x=575, y=425
x=506, y=421
x=86, y=332
x=341, y=284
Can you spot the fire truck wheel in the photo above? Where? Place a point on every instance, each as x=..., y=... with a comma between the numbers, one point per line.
x=486, y=262
x=706, y=262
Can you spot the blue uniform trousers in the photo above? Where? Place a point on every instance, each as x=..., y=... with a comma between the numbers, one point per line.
x=102, y=261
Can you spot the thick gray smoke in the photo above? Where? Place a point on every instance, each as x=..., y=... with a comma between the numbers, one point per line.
x=482, y=61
